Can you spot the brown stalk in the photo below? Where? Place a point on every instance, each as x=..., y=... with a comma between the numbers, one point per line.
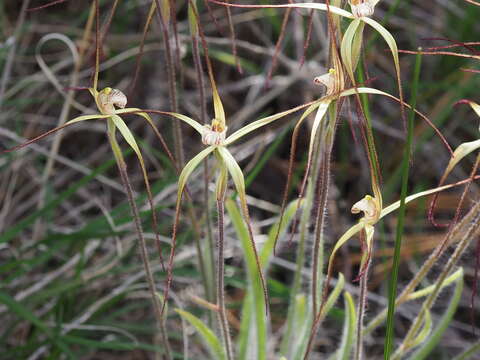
x=278, y=46
x=170, y=67
x=221, y=277
x=233, y=40
x=308, y=37
x=122, y=167
x=52, y=3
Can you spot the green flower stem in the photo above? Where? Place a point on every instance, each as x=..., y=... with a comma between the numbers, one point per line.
x=221, y=279
x=392, y=288
x=362, y=302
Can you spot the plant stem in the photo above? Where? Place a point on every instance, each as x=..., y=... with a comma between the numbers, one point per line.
x=287, y=345
x=170, y=67
x=122, y=167
x=392, y=288
x=362, y=301
x=327, y=137
x=209, y=248
x=221, y=280
x=208, y=254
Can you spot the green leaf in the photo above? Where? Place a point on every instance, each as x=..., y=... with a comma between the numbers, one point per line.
x=429, y=345
x=319, y=116
x=348, y=335
x=25, y=313
x=347, y=48
x=211, y=340
x=333, y=297
x=192, y=17
x=246, y=338
x=301, y=325
x=455, y=277
x=467, y=354
x=392, y=286
x=424, y=332
x=20, y=225
x=267, y=248
x=257, y=311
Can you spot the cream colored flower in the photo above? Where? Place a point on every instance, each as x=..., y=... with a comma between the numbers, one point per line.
x=331, y=80
x=363, y=8
x=214, y=134
x=108, y=98
x=369, y=206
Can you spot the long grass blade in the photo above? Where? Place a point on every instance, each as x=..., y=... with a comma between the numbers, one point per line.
x=392, y=291
x=239, y=181
x=429, y=345
x=211, y=340
x=257, y=314
x=348, y=335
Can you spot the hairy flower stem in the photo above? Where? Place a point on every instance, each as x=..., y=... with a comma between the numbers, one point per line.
x=321, y=198
x=362, y=302
x=122, y=167
x=171, y=75
x=289, y=339
x=468, y=235
x=320, y=205
x=221, y=280
x=286, y=346
x=208, y=255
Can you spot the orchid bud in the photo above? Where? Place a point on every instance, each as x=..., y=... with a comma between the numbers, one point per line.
x=214, y=134
x=108, y=98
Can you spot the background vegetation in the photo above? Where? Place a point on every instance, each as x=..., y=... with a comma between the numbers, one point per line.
x=72, y=284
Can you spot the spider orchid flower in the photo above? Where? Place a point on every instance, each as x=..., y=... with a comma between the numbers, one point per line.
x=363, y=8
x=111, y=103
x=372, y=214
x=215, y=137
